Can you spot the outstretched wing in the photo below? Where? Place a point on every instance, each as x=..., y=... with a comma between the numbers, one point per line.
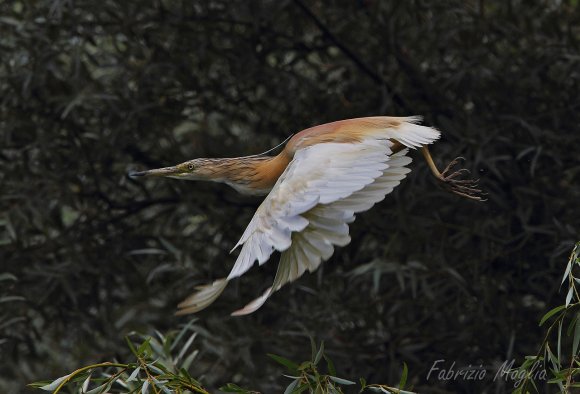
x=328, y=226
x=308, y=210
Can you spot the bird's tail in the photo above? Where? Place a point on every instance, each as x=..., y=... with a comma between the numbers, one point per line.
x=411, y=134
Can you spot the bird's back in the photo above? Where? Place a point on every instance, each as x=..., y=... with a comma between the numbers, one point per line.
x=351, y=131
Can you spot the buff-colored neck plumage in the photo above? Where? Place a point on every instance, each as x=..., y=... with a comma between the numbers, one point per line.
x=254, y=175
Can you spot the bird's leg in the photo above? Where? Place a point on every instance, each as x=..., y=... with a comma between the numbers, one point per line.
x=450, y=180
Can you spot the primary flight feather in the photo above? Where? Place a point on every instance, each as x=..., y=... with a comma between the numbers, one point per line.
x=315, y=186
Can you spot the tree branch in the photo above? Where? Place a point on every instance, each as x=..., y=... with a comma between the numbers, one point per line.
x=350, y=54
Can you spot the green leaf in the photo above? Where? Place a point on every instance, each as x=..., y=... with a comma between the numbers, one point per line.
x=403, y=381
x=145, y=387
x=553, y=359
x=291, y=386
x=567, y=272
x=576, y=340
x=133, y=375
x=131, y=346
x=233, y=388
x=157, y=346
x=102, y=388
x=54, y=384
x=7, y=276
x=157, y=367
x=569, y=295
x=144, y=348
x=188, y=360
x=319, y=354
x=571, y=325
x=284, y=361
x=301, y=388
x=312, y=349
x=363, y=383
x=182, y=333
x=162, y=386
x=330, y=365
x=341, y=381
x=86, y=383
x=559, y=349
x=11, y=299
x=185, y=347
x=551, y=313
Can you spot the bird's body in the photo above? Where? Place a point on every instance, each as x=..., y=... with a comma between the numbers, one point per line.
x=257, y=174
x=315, y=186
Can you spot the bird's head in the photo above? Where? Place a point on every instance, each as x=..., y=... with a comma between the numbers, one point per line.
x=245, y=174
x=196, y=169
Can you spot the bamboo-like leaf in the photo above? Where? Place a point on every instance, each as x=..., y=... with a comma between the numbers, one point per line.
x=312, y=349
x=345, y=382
x=189, y=359
x=157, y=346
x=233, y=388
x=12, y=299
x=303, y=387
x=102, y=388
x=162, y=386
x=144, y=348
x=157, y=367
x=131, y=346
x=319, y=354
x=363, y=383
x=134, y=374
x=284, y=361
x=569, y=295
x=559, y=349
x=567, y=272
x=7, y=276
x=551, y=313
x=182, y=333
x=54, y=384
x=403, y=381
x=85, y=384
x=330, y=365
x=185, y=347
x=291, y=386
x=576, y=339
x=553, y=359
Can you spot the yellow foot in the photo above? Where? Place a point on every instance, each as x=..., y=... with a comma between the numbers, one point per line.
x=453, y=181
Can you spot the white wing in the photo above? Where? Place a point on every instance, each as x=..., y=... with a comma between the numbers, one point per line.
x=308, y=210
x=328, y=226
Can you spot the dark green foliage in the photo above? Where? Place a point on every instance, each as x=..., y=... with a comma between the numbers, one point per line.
x=90, y=90
x=552, y=355
x=161, y=365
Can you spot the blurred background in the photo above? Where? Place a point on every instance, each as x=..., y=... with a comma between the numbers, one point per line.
x=90, y=90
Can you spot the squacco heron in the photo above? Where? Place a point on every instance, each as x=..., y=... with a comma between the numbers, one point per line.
x=314, y=186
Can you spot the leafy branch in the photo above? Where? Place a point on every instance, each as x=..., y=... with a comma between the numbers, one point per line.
x=564, y=378
x=308, y=377
x=162, y=362
x=160, y=366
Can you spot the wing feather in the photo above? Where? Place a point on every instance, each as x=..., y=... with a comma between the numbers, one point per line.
x=327, y=222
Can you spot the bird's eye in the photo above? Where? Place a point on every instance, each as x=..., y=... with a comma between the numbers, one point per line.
x=190, y=166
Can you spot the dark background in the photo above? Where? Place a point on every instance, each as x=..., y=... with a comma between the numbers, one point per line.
x=93, y=89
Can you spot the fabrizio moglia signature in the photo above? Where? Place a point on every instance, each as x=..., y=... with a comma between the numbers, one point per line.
x=441, y=371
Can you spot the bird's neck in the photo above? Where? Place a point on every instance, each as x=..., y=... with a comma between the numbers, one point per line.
x=254, y=175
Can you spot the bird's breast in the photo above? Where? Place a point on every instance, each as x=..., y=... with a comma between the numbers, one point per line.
x=248, y=189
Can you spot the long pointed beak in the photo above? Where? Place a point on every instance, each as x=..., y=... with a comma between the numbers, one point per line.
x=165, y=171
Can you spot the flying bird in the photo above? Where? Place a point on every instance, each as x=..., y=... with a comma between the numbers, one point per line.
x=314, y=187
